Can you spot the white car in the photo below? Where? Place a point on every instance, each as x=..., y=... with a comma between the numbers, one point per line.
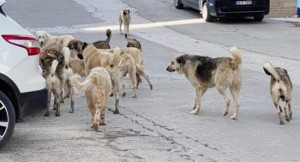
x=22, y=86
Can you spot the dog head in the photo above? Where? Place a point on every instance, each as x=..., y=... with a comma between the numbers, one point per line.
x=177, y=63
x=126, y=12
x=42, y=37
x=78, y=47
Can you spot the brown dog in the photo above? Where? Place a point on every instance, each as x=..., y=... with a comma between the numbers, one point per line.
x=205, y=72
x=281, y=88
x=132, y=42
x=105, y=43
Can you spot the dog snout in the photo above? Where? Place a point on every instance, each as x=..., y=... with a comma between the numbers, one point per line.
x=71, y=46
x=170, y=69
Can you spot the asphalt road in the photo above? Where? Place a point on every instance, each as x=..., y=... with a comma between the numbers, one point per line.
x=157, y=126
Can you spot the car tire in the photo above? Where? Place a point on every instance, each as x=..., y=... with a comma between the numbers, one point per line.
x=205, y=13
x=178, y=4
x=7, y=119
x=258, y=18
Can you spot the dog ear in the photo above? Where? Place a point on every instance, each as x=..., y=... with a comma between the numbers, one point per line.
x=181, y=59
x=80, y=56
x=84, y=45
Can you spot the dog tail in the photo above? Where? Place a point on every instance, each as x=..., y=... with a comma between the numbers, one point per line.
x=78, y=87
x=53, y=67
x=237, y=58
x=67, y=55
x=108, y=34
x=270, y=70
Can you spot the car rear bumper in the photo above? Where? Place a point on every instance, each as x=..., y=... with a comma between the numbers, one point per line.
x=33, y=102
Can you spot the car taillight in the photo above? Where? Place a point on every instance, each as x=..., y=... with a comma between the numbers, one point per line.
x=27, y=42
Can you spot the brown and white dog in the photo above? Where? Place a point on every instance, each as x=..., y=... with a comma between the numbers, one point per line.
x=281, y=88
x=124, y=18
x=206, y=72
x=97, y=88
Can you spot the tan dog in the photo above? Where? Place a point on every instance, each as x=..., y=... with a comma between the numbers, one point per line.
x=77, y=66
x=205, y=72
x=46, y=40
x=139, y=60
x=104, y=44
x=124, y=18
x=93, y=58
x=97, y=87
x=127, y=65
x=281, y=88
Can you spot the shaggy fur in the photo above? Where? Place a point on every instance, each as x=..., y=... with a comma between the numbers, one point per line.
x=124, y=18
x=105, y=43
x=206, y=72
x=97, y=87
x=132, y=42
x=94, y=58
x=280, y=88
x=46, y=40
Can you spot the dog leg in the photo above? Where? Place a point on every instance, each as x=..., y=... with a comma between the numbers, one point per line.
x=227, y=100
x=120, y=25
x=124, y=91
x=71, y=91
x=290, y=110
x=199, y=94
x=286, y=111
x=96, y=118
x=235, y=95
x=278, y=108
x=145, y=76
x=48, y=103
x=57, y=96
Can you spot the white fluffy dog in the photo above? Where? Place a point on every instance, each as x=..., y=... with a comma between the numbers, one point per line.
x=45, y=40
x=97, y=88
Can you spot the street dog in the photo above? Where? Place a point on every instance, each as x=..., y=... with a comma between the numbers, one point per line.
x=93, y=58
x=127, y=65
x=206, y=72
x=139, y=60
x=53, y=85
x=132, y=42
x=46, y=40
x=105, y=43
x=124, y=18
x=63, y=71
x=280, y=88
x=97, y=88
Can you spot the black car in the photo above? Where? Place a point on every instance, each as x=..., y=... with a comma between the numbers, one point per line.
x=211, y=9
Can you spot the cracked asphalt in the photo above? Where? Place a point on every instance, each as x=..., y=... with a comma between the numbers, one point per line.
x=157, y=126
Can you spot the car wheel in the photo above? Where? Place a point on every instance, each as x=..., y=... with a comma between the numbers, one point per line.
x=7, y=119
x=178, y=4
x=258, y=18
x=205, y=13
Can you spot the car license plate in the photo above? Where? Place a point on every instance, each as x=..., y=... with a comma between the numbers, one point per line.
x=243, y=2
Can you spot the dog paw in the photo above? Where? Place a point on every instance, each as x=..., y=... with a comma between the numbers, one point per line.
x=287, y=119
x=95, y=126
x=57, y=114
x=102, y=123
x=194, y=112
x=151, y=87
x=281, y=123
x=116, y=112
x=233, y=117
x=225, y=113
x=124, y=94
x=134, y=96
x=46, y=114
